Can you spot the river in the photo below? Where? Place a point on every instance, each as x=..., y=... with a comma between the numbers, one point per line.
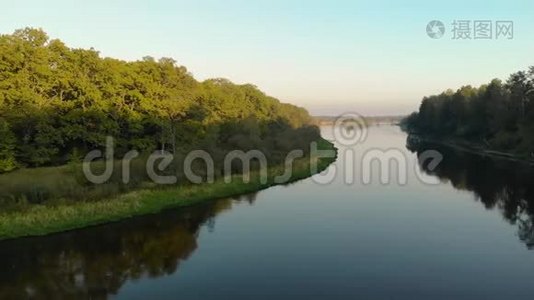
x=467, y=235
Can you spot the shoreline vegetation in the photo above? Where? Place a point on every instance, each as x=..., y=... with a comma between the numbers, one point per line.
x=466, y=146
x=41, y=220
x=59, y=104
x=495, y=119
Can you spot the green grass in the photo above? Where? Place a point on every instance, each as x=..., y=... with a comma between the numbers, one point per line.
x=38, y=219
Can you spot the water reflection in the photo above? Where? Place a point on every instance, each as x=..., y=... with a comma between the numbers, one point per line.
x=497, y=183
x=95, y=262
x=339, y=245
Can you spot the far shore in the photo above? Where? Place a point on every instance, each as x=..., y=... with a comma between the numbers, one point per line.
x=473, y=148
x=369, y=120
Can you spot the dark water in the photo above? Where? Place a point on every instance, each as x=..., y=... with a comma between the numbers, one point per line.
x=469, y=237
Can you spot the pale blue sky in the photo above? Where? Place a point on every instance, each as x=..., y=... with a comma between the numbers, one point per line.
x=373, y=57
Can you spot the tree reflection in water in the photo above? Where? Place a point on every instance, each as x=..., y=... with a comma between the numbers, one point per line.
x=497, y=183
x=95, y=262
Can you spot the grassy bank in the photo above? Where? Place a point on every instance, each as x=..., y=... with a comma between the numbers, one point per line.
x=46, y=219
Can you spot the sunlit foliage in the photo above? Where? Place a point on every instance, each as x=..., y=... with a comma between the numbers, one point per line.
x=57, y=103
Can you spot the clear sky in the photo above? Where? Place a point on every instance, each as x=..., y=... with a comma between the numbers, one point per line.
x=373, y=57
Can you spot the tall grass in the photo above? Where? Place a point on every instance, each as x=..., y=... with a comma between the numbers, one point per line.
x=49, y=212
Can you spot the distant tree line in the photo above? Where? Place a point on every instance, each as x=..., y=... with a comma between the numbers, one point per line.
x=57, y=103
x=497, y=115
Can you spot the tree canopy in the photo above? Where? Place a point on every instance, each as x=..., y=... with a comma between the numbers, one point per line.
x=57, y=103
x=499, y=115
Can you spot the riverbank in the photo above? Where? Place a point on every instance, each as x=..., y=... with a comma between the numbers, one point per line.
x=471, y=147
x=42, y=219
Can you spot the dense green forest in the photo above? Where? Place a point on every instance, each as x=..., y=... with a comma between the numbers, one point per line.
x=498, y=115
x=57, y=103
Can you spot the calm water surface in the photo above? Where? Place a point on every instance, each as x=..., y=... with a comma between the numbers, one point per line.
x=469, y=237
